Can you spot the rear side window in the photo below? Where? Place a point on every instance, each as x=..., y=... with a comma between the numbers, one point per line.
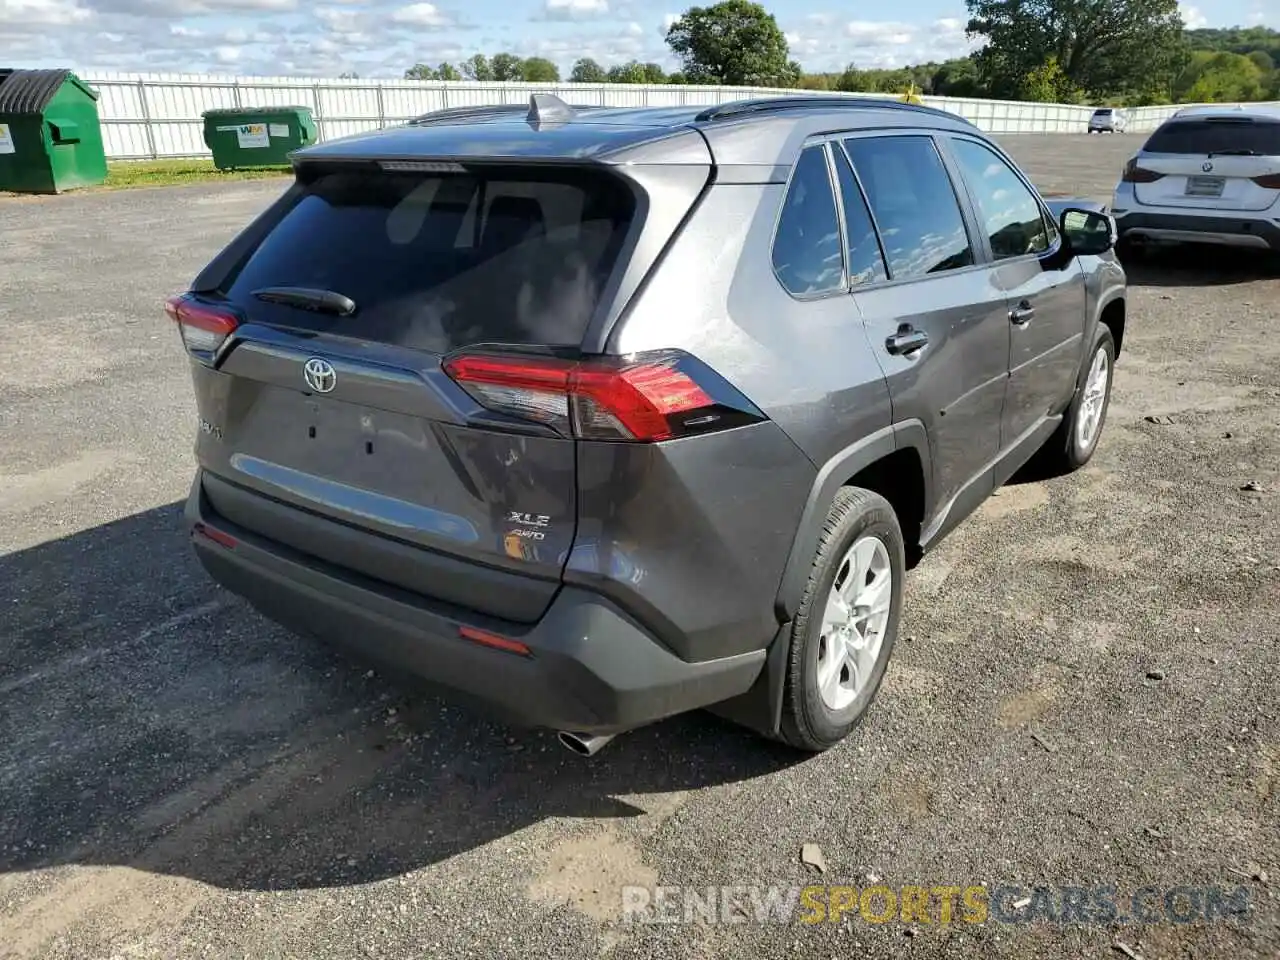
x=440, y=262
x=862, y=249
x=914, y=204
x=1221, y=136
x=806, y=249
x=1010, y=212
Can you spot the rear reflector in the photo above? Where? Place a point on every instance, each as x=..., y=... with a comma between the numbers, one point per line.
x=486, y=639
x=204, y=328
x=1136, y=174
x=216, y=536
x=644, y=398
x=1270, y=181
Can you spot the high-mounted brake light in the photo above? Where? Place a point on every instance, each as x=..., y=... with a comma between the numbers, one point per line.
x=1136, y=174
x=204, y=328
x=1270, y=181
x=644, y=398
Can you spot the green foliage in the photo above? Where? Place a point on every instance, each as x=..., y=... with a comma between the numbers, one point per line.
x=1219, y=78
x=587, y=70
x=1048, y=83
x=507, y=67
x=477, y=67
x=539, y=70
x=1104, y=48
x=733, y=42
x=447, y=71
x=421, y=71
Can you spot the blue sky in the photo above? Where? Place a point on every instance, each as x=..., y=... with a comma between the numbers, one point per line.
x=383, y=37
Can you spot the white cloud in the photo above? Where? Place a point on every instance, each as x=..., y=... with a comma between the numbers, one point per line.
x=574, y=9
x=420, y=15
x=1192, y=18
x=226, y=54
x=36, y=13
x=867, y=33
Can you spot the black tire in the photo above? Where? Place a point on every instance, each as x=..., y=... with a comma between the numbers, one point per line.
x=807, y=722
x=1064, y=452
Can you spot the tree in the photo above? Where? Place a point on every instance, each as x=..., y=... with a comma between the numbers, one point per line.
x=420, y=71
x=447, y=71
x=854, y=80
x=1106, y=48
x=477, y=67
x=630, y=72
x=1219, y=78
x=958, y=78
x=507, y=67
x=1047, y=84
x=734, y=42
x=587, y=70
x=349, y=75
x=539, y=70
x=1262, y=60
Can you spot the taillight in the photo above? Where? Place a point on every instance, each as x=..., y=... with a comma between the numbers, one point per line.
x=1270, y=181
x=204, y=328
x=646, y=397
x=1136, y=174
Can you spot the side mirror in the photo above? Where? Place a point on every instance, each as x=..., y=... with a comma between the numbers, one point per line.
x=1088, y=232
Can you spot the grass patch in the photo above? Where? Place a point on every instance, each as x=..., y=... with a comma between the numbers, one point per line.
x=166, y=173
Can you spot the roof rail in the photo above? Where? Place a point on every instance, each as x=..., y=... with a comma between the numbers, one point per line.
x=541, y=108
x=738, y=108
x=469, y=113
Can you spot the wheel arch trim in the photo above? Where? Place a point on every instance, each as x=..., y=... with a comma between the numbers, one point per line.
x=834, y=474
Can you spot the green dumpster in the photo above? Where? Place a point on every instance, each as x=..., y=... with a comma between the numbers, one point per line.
x=257, y=136
x=50, y=136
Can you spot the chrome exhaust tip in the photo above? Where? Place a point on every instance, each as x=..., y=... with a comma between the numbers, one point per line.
x=583, y=744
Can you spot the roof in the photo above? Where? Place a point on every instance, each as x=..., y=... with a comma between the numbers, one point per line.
x=31, y=91
x=763, y=132
x=1228, y=111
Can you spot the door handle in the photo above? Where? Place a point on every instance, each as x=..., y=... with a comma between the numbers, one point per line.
x=907, y=340
x=1022, y=314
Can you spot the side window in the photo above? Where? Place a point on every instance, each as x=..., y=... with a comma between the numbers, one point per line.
x=914, y=204
x=806, y=250
x=862, y=249
x=1013, y=219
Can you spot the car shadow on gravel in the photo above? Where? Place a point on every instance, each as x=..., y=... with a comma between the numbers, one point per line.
x=1190, y=266
x=150, y=720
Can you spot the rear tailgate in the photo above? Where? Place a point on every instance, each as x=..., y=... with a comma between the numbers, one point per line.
x=347, y=414
x=1212, y=163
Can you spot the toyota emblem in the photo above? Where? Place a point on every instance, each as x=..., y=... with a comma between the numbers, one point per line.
x=1207, y=166
x=320, y=375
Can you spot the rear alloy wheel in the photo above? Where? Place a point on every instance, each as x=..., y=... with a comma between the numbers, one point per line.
x=1076, y=439
x=847, y=623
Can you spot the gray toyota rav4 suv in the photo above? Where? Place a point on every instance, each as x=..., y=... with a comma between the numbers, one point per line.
x=600, y=415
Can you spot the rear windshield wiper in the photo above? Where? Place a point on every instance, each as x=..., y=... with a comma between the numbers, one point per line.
x=305, y=298
x=1233, y=153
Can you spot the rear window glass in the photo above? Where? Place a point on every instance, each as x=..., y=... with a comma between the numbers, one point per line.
x=440, y=262
x=1216, y=136
x=1102, y=113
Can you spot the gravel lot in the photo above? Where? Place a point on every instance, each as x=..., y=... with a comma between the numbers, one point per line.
x=181, y=778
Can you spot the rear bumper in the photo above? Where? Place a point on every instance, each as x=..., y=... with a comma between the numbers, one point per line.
x=1246, y=230
x=590, y=669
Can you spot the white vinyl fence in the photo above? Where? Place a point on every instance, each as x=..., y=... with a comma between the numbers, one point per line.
x=150, y=115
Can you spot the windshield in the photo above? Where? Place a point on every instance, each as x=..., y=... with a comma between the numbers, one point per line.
x=438, y=262
x=1226, y=135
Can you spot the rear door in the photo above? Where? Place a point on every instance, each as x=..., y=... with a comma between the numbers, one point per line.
x=347, y=413
x=939, y=323
x=1213, y=163
x=1044, y=286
